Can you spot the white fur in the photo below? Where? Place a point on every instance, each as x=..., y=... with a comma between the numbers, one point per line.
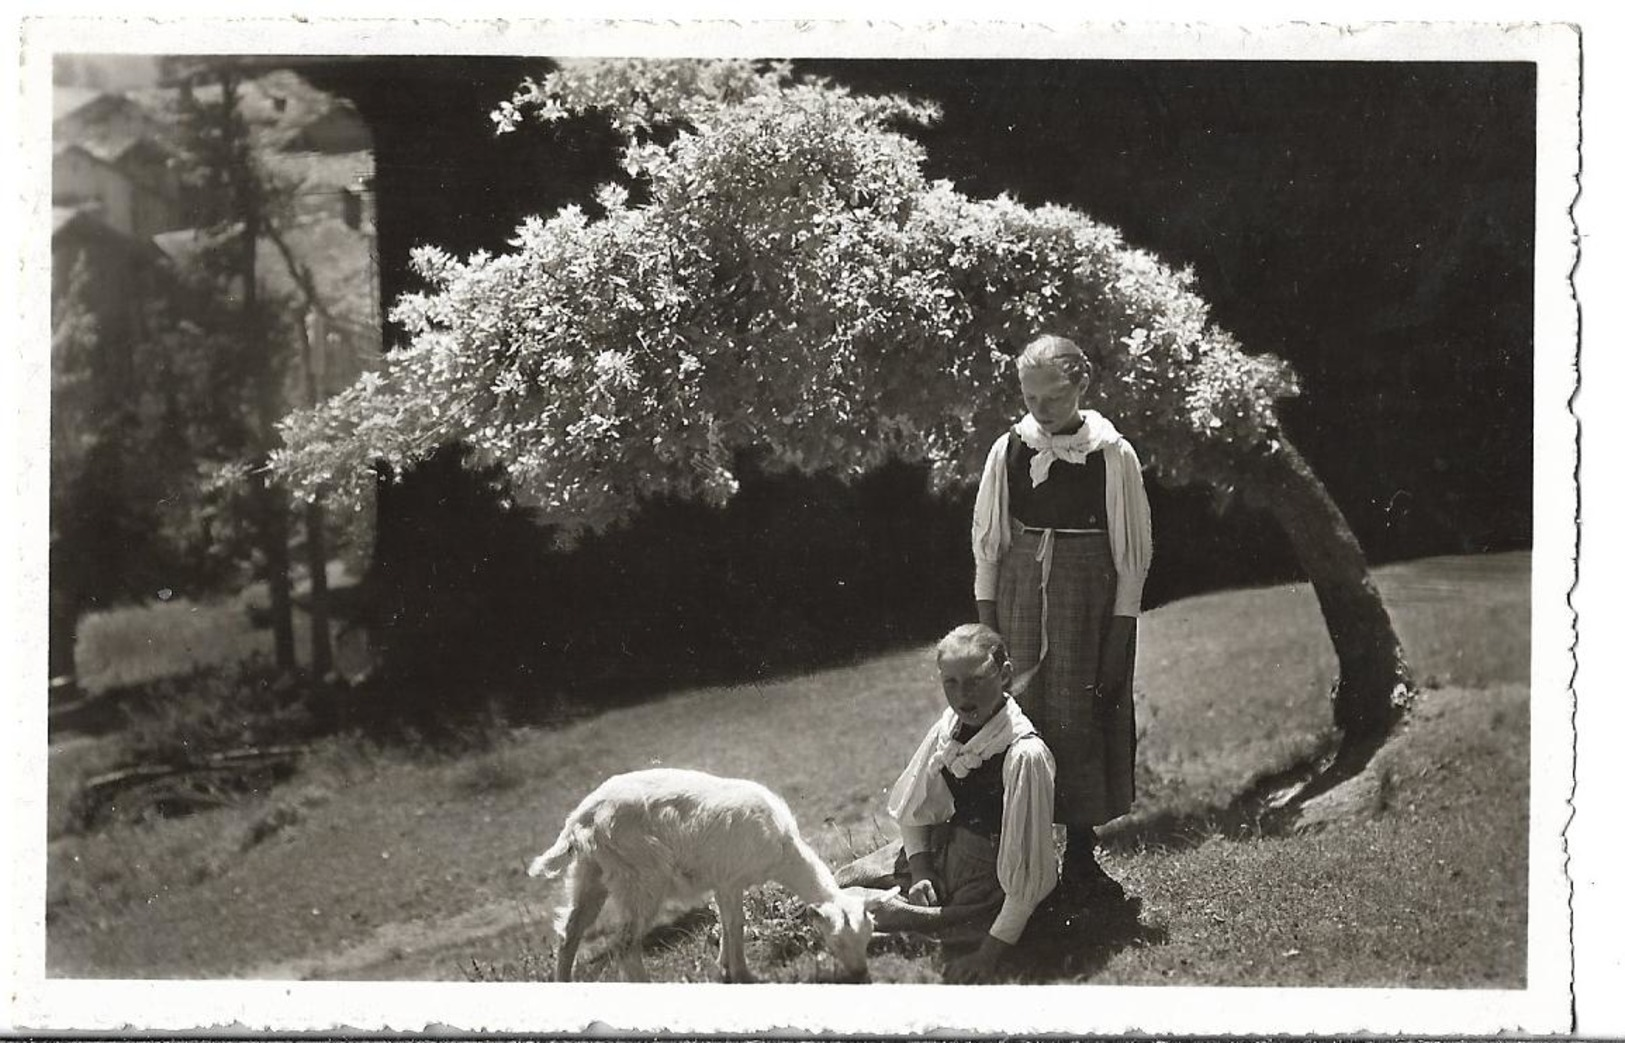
x=648, y=836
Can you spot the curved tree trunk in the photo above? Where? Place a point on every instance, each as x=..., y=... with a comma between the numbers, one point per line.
x=1374, y=685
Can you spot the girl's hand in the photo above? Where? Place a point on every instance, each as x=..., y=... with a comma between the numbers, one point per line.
x=889, y=908
x=926, y=888
x=923, y=892
x=980, y=966
x=1116, y=651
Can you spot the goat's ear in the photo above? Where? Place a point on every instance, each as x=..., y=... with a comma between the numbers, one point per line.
x=877, y=898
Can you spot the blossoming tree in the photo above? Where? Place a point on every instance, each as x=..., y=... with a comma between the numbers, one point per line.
x=788, y=279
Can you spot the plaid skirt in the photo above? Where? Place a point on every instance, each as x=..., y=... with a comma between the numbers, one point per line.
x=1090, y=732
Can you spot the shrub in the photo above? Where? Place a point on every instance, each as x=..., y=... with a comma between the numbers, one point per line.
x=216, y=708
x=792, y=284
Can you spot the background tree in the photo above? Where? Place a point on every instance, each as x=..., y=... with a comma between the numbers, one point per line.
x=238, y=201
x=174, y=356
x=136, y=403
x=94, y=534
x=786, y=279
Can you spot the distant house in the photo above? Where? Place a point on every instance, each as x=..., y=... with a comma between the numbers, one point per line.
x=131, y=188
x=117, y=201
x=110, y=154
x=65, y=101
x=124, y=272
x=84, y=115
x=333, y=185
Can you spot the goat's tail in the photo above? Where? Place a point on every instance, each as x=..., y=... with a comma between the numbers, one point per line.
x=574, y=838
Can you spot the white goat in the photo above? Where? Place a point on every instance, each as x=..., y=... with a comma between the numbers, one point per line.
x=665, y=833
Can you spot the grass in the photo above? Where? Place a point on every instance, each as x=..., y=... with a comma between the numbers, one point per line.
x=414, y=869
x=138, y=644
x=99, y=877
x=1420, y=883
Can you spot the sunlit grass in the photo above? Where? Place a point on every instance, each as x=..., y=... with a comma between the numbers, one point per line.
x=138, y=644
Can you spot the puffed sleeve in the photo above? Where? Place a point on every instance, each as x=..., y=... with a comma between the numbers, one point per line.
x=920, y=798
x=1128, y=521
x=1027, y=865
x=990, y=521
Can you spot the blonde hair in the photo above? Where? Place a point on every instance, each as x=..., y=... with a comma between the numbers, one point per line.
x=975, y=638
x=1060, y=354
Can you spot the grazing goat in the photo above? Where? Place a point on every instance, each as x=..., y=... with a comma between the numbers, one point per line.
x=648, y=836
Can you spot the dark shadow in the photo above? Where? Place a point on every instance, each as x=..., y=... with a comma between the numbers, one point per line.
x=681, y=928
x=1070, y=935
x=673, y=930
x=92, y=714
x=1268, y=806
x=470, y=599
x=1185, y=828
x=1068, y=941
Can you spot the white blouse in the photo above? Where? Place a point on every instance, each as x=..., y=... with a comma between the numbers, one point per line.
x=1027, y=866
x=1128, y=515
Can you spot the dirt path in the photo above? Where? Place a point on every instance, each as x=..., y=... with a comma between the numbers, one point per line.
x=408, y=950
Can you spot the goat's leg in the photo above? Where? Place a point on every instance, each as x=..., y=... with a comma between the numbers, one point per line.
x=731, y=922
x=632, y=968
x=640, y=911
x=586, y=901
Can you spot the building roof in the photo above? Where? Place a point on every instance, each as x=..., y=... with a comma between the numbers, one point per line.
x=67, y=100
x=85, y=222
x=113, y=148
x=62, y=216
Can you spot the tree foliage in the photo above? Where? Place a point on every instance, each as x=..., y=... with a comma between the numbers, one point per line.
x=774, y=271
x=138, y=409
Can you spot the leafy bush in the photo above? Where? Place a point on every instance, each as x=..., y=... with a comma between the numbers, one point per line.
x=792, y=283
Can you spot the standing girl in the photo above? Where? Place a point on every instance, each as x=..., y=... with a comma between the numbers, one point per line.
x=1062, y=540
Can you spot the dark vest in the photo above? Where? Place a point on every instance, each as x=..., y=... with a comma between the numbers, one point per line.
x=979, y=796
x=1072, y=497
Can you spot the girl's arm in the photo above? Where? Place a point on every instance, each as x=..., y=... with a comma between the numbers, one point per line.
x=1027, y=866
x=1128, y=520
x=990, y=528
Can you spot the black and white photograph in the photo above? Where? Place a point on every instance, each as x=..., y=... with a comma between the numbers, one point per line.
x=723, y=527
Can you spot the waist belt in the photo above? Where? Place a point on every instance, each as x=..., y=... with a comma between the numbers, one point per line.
x=1060, y=534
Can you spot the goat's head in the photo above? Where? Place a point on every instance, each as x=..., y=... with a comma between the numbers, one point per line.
x=847, y=924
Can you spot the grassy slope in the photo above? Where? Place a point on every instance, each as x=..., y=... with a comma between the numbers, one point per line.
x=374, y=868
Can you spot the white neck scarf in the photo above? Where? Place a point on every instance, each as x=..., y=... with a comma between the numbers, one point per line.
x=1095, y=432
x=1007, y=724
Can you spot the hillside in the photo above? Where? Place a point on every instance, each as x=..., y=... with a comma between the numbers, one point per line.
x=371, y=866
